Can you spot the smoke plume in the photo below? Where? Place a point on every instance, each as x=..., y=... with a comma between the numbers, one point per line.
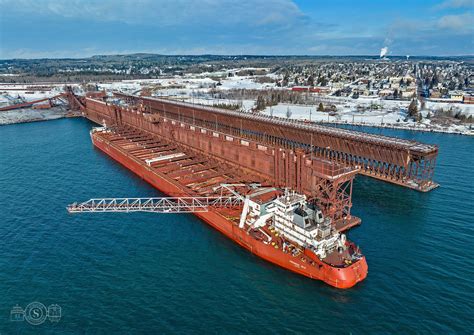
x=383, y=52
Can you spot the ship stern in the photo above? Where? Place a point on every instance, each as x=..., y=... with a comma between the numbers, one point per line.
x=346, y=277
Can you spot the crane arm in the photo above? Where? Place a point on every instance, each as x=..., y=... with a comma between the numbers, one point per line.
x=155, y=205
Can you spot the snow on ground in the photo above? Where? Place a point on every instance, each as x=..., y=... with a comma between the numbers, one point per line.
x=186, y=84
x=4, y=101
x=247, y=105
x=244, y=83
x=381, y=118
x=192, y=88
x=373, y=111
x=23, y=93
x=310, y=113
x=467, y=109
x=27, y=95
x=123, y=86
x=30, y=115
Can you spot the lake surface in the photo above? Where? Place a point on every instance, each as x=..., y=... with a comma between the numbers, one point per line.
x=152, y=273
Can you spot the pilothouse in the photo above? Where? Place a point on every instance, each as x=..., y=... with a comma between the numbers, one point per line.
x=300, y=224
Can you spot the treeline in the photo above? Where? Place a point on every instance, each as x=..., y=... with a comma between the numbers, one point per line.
x=455, y=113
x=66, y=78
x=228, y=106
x=274, y=97
x=265, y=98
x=452, y=112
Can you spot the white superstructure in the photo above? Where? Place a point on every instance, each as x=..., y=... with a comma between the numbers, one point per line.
x=296, y=220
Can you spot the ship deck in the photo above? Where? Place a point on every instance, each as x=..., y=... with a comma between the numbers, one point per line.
x=186, y=173
x=193, y=173
x=197, y=175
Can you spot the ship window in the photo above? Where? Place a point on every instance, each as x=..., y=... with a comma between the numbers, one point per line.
x=301, y=212
x=307, y=222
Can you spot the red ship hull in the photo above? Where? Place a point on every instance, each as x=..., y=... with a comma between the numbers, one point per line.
x=340, y=277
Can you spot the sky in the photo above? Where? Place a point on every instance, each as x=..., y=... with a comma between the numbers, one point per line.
x=82, y=28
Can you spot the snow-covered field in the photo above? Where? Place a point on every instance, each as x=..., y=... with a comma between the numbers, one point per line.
x=31, y=115
x=21, y=94
x=9, y=94
x=386, y=118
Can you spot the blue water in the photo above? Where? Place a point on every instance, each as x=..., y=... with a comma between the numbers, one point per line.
x=151, y=273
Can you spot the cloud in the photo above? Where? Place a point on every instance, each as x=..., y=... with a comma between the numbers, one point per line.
x=434, y=29
x=455, y=4
x=165, y=13
x=85, y=27
x=461, y=23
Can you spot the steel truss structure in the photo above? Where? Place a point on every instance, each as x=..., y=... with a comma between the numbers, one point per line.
x=199, y=147
x=155, y=205
x=403, y=162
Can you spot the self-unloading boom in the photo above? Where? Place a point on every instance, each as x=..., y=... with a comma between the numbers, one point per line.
x=157, y=205
x=286, y=232
x=280, y=225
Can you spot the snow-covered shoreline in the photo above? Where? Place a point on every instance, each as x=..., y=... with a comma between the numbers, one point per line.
x=412, y=127
x=32, y=115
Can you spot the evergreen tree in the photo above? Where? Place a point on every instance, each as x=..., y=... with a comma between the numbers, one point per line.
x=260, y=104
x=321, y=107
x=413, y=109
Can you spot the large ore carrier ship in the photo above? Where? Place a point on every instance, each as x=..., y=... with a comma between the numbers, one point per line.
x=276, y=224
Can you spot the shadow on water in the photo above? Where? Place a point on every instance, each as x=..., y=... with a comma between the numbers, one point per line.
x=385, y=195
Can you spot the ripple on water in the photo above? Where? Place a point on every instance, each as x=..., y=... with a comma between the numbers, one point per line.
x=144, y=273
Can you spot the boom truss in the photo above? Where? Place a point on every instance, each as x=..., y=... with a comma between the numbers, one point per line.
x=155, y=205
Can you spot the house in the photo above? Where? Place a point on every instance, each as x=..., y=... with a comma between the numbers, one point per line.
x=385, y=92
x=456, y=96
x=469, y=99
x=300, y=88
x=320, y=89
x=435, y=94
x=408, y=94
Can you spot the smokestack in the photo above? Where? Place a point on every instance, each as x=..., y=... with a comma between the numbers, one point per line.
x=383, y=52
